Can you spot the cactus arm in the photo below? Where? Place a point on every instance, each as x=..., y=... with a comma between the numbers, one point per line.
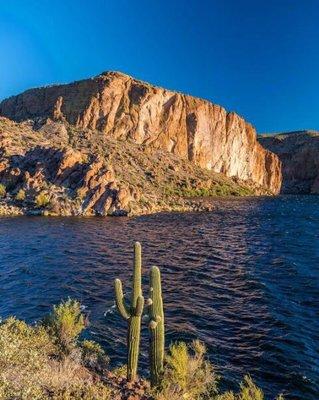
x=119, y=300
x=139, y=306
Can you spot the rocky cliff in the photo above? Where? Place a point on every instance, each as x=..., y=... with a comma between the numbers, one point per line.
x=299, y=153
x=123, y=108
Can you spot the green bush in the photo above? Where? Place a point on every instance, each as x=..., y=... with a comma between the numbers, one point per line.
x=3, y=190
x=42, y=200
x=30, y=366
x=24, y=353
x=187, y=374
x=217, y=189
x=248, y=391
x=93, y=356
x=23, y=345
x=120, y=371
x=20, y=196
x=65, y=324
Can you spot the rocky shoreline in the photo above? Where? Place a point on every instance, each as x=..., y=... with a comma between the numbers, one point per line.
x=195, y=205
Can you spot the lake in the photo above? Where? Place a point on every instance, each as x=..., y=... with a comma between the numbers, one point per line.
x=244, y=279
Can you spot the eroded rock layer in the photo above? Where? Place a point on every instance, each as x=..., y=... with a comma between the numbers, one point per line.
x=124, y=108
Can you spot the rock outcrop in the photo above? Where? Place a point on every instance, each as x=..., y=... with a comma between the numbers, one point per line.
x=127, y=109
x=57, y=169
x=299, y=153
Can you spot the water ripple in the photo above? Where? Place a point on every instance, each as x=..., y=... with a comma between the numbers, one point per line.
x=244, y=279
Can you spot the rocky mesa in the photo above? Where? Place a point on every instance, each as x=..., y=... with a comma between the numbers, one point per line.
x=125, y=108
x=299, y=154
x=113, y=145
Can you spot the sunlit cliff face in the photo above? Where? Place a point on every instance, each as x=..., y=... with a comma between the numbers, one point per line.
x=125, y=108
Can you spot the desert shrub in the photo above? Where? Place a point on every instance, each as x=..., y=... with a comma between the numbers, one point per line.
x=24, y=352
x=65, y=323
x=42, y=200
x=120, y=371
x=218, y=189
x=3, y=190
x=93, y=356
x=20, y=196
x=248, y=391
x=30, y=366
x=23, y=345
x=187, y=374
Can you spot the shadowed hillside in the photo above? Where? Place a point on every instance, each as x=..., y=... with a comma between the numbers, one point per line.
x=299, y=154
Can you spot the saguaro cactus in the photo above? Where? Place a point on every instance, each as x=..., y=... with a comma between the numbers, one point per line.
x=133, y=313
x=156, y=326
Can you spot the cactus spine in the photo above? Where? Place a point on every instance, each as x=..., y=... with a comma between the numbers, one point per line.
x=132, y=314
x=156, y=326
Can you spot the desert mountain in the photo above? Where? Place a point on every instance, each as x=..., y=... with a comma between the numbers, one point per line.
x=124, y=108
x=113, y=145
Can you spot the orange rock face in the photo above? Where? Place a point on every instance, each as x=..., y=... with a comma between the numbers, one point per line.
x=125, y=108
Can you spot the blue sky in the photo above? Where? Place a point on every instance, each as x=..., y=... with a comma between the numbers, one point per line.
x=258, y=58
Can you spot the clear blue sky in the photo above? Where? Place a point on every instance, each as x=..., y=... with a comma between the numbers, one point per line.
x=258, y=58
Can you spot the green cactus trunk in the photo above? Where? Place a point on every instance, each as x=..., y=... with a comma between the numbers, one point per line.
x=133, y=344
x=156, y=327
x=132, y=314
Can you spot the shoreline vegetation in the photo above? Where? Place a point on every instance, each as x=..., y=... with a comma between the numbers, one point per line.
x=50, y=360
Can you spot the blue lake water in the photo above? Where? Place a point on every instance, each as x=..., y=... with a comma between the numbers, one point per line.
x=244, y=279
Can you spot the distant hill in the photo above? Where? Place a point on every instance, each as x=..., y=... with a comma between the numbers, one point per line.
x=303, y=131
x=299, y=154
